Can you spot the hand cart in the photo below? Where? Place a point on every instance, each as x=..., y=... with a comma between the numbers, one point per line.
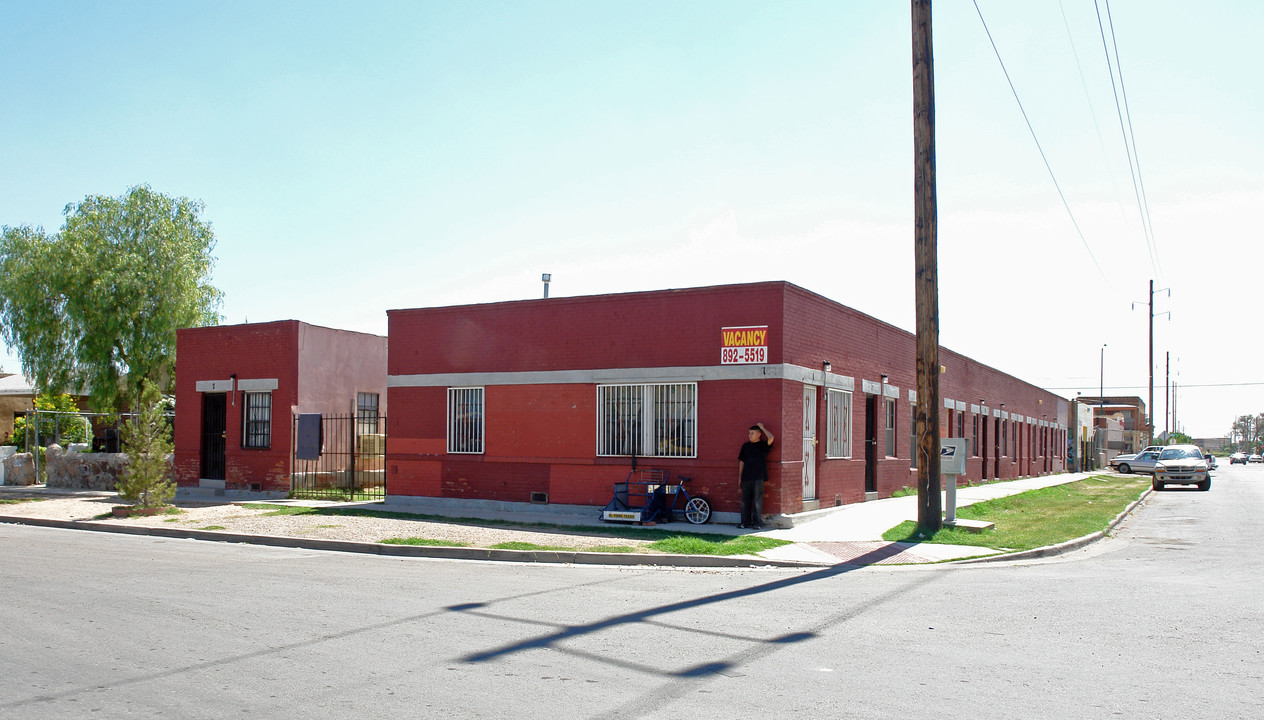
x=647, y=497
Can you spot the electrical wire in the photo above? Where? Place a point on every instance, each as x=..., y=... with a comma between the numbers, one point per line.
x=1184, y=386
x=1043, y=157
x=1088, y=99
x=1129, y=148
x=1123, y=90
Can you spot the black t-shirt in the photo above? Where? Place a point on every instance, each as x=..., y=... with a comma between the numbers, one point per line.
x=754, y=458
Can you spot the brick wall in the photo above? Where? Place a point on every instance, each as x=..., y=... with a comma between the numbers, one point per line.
x=542, y=438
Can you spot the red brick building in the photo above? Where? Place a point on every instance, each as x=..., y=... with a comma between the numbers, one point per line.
x=239, y=386
x=549, y=400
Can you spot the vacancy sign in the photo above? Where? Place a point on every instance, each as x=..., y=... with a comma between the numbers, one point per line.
x=744, y=345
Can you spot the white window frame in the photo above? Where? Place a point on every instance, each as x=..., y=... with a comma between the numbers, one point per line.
x=913, y=448
x=255, y=413
x=466, y=433
x=837, y=424
x=890, y=423
x=367, y=415
x=647, y=420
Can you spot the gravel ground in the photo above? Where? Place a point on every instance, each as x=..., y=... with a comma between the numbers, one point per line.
x=233, y=518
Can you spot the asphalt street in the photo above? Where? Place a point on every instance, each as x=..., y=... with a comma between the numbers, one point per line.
x=1163, y=620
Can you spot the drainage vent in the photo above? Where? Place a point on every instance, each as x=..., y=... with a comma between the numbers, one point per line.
x=539, y=497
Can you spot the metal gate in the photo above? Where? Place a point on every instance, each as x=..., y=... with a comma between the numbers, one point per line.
x=344, y=459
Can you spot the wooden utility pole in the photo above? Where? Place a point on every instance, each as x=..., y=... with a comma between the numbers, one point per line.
x=926, y=288
x=1150, y=407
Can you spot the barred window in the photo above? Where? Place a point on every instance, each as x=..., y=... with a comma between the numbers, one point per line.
x=974, y=438
x=647, y=420
x=913, y=447
x=366, y=414
x=837, y=424
x=465, y=420
x=257, y=425
x=890, y=428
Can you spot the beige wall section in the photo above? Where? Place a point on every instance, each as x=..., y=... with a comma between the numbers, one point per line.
x=9, y=405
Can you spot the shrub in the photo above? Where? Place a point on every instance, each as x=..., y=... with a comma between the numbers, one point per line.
x=145, y=442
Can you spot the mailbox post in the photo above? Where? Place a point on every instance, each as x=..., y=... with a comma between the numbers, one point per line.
x=952, y=462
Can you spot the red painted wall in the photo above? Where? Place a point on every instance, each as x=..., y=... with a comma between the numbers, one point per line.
x=542, y=438
x=317, y=370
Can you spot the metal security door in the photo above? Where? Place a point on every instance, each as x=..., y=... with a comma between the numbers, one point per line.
x=871, y=443
x=214, y=437
x=809, y=442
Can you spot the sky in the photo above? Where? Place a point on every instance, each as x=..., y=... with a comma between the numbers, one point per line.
x=355, y=157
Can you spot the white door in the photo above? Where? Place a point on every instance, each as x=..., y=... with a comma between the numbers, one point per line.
x=809, y=442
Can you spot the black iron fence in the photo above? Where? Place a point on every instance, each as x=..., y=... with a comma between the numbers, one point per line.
x=338, y=457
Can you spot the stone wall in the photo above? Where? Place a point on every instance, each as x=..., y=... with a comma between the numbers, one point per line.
x=85, y=471
x=19, y=469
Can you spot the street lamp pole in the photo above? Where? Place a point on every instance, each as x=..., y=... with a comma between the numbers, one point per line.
x=1101, y=404
x=1101, y=398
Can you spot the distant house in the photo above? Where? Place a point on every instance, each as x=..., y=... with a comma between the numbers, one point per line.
x=1212, y=444
x=239, y=387
x=16, y=398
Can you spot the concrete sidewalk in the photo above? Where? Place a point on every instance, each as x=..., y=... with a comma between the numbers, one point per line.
x=853, y=533
x=849, y=534
x=845, y=535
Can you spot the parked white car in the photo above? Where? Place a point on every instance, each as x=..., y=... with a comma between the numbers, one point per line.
x=1181, y=465
x=1143, y=462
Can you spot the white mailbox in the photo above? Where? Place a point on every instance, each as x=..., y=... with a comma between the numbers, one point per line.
x=952, y=455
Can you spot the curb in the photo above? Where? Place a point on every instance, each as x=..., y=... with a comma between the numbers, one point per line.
x=1065, y=547
x=574, y=557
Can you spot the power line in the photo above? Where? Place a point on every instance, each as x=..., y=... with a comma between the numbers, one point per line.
x=1129, y=148
x=1123, y=89
x=1184, y=386
x=1088, y=99
x=1043, y=157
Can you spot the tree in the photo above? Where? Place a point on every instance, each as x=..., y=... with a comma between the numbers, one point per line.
x=146, y=441
x=1180, y=438
x=65, y=428
x=96, y=306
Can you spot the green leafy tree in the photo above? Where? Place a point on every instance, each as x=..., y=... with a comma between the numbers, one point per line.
x=96, y=306
x=146, y=441
x=63, y=428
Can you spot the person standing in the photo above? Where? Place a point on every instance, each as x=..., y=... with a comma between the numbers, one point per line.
x=752, y=471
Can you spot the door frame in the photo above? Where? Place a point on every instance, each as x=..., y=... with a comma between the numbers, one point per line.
x=871, y=443
x=213, y=444
x=809, y=441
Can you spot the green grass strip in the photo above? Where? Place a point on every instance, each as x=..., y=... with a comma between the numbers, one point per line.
x=668, y=541
x=15, y=501
x=516, y=545
x=1037, y=518
x=683, y=544
x=427, y=542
